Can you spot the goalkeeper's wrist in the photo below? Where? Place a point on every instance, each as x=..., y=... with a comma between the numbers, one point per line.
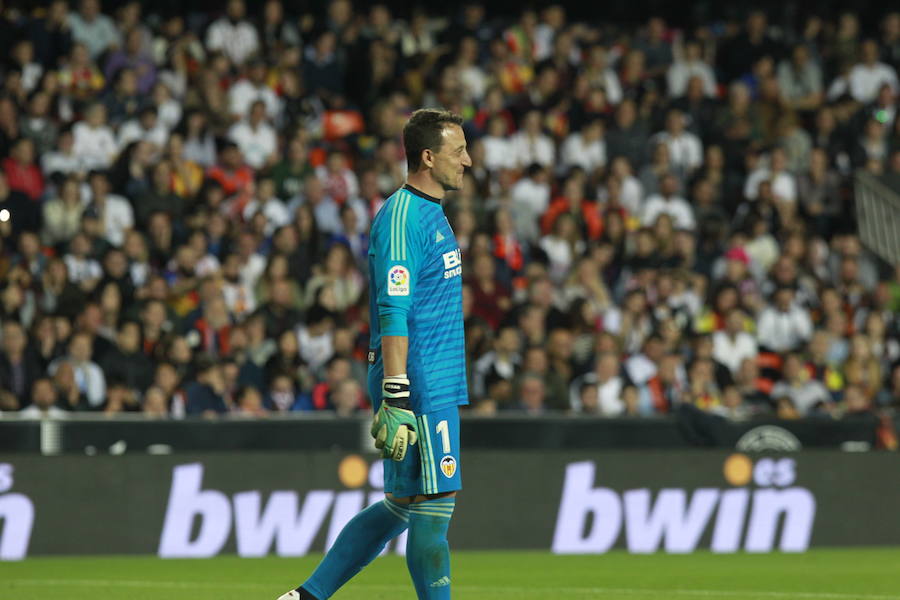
x=395, y=391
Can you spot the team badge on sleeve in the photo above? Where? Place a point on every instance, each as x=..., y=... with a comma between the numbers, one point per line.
x=398, y=281
x=448, y=466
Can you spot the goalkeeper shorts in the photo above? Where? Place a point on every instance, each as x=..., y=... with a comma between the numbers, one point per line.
x=432, y=465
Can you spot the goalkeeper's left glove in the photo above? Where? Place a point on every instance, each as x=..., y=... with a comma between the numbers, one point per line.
x=394, y=426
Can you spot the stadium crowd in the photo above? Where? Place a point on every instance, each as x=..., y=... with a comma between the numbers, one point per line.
x=654, y=216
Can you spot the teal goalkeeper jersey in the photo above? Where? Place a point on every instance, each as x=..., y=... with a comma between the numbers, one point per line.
x=415, y=275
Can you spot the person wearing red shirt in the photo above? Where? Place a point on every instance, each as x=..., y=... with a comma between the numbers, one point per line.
x=585, y=211
x=232, y=174
x=22, y=175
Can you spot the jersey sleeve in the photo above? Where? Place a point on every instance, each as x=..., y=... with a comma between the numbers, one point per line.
x=396, y=262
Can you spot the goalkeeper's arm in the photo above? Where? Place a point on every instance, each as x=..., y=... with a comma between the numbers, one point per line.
x=394, y=425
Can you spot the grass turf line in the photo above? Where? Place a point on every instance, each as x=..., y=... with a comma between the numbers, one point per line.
x=825, y=574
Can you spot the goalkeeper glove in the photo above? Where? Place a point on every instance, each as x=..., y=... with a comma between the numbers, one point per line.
x=394, y=426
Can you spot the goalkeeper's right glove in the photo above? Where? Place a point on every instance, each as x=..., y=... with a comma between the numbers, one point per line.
x=394, y=426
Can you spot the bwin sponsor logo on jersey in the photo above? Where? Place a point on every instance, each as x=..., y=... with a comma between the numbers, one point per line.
x=762, y=503
x=452, y=263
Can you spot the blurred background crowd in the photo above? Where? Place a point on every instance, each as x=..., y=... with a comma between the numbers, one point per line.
x=655, y=216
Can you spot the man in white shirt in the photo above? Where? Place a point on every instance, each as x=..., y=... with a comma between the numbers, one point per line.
x=585, y=148
x=530, y=199
x=114, y=211
x=498, y=152
x=43, y=402
x=94, y=141
x=146, y=127
x=233, y=35
x=668, y=202
x=255, y=137
x=609, y=386
x=733, y=345
x=693, y=65
x=531, y=145
x=685, y=148
x=867, y=77
x=784, y=184
x=783, y=326
x=252, y=88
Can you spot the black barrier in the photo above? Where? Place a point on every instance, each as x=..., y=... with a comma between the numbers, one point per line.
x=255, y=504
x=20, y=436
x=687, y=428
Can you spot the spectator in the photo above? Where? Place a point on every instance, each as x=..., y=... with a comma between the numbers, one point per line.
x=133, y=56
x=734, y=344
x=691, y=66
x=22, y=175
x=232, y=34
x=806, y=394
x=255, y=138
x=204, y=396
x=668, y=202
x=43, y=402
x=530, y=145
x=93, y=139
x=95, y=30
x=89, y=376
x=19, y=367
x=867, y=76
x=251, y=89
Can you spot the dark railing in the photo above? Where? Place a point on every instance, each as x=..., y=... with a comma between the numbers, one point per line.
x=688, y=428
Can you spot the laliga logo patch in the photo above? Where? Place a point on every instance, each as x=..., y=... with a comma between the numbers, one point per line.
x=398, y=281
x=448, y=466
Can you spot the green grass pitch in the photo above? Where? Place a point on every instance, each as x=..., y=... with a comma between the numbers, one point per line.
x=859, y=574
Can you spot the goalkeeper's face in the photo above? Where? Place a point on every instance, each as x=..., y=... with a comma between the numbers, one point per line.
x=452, y=159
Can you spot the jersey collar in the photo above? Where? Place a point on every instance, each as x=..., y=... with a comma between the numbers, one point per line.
x=421, y=194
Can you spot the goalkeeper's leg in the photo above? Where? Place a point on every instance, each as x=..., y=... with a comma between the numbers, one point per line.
x=427, y=550
x=361, y=540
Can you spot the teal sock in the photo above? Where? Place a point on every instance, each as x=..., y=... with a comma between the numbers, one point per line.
x=427, y=550
x=359, y=542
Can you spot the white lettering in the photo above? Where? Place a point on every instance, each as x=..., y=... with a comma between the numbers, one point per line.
x=580, y=501
x=186, y=500
x=799, y=508
x=730, y=519
x=668, y=518
x=17, y=513
x=293, y=534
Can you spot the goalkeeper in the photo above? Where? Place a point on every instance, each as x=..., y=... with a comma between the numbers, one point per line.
x=417, y=375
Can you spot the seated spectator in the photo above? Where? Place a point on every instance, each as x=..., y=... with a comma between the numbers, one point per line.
x=805, y=393
x=734, y=344
x=867, y=76
x=530, y=198
x=233, y=34
x=22, y=175
x=93, y=29
x=497, y=145
x=692, y=65
x=585, y=149
x=282, y=395
x=204, y=396
x=88, y=375
x=154, y=404
x=255, y=137
x=316, y=337
x=783, y=326
x=347, y=399
x=114, y=211
x=685, y=148
x=19, y=367
x=126, y=363
x=93, y=139
x=530, y=145
x=133, y=56
x=147, y=127
x=503, y=361
x=43, y=402
x=668, y=202
x=532, y=395
x=338, y=180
